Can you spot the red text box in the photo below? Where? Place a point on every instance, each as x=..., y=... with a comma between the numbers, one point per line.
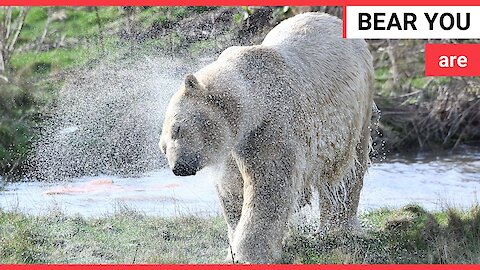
x=452, y=59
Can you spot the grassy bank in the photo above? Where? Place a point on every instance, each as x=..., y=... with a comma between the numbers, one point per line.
x=406, y=235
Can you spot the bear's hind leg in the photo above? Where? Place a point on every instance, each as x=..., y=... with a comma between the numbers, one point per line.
x=339, y=203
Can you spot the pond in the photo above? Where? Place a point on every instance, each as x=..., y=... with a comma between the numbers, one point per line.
x=431, y=180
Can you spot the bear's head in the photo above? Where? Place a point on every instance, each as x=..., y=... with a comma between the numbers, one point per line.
x=194, y=133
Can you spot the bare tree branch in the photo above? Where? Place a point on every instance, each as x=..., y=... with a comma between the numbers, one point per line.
x=8, y=21
x=3, y=30
x=20, y=21
x=2, y=64
x=45, y=29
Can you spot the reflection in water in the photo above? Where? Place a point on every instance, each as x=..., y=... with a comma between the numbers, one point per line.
x=434, y=182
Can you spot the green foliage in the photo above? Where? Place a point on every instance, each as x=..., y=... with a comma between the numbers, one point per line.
x=16, y=112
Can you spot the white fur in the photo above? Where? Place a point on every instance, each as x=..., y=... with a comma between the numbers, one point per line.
x=302, y=124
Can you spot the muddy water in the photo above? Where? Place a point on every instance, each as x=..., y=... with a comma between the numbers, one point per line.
x=433, y=181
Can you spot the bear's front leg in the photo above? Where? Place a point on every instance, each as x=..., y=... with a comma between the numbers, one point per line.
x=230, y=193
x=267, y=204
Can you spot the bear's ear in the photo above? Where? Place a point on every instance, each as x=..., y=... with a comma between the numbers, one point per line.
x=191, y=83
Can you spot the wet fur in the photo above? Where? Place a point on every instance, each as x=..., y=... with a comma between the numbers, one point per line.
x=285, y=117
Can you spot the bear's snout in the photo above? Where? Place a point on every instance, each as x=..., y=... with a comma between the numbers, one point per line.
x=186, y=166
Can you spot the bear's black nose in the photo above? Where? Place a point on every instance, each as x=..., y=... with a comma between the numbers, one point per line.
x=186, y=167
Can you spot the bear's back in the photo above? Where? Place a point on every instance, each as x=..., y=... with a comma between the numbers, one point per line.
x=313, y=43
x=302, y=28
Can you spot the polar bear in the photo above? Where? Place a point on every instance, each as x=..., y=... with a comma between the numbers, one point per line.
x=278, y=121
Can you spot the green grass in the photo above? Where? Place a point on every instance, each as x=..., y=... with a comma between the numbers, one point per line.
x=126, y=237
x=79, y=29
x=149, y=16
x=82, y=37
x=79, y=23
x=406, y=235
x=160, y=15
x=49, y=61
